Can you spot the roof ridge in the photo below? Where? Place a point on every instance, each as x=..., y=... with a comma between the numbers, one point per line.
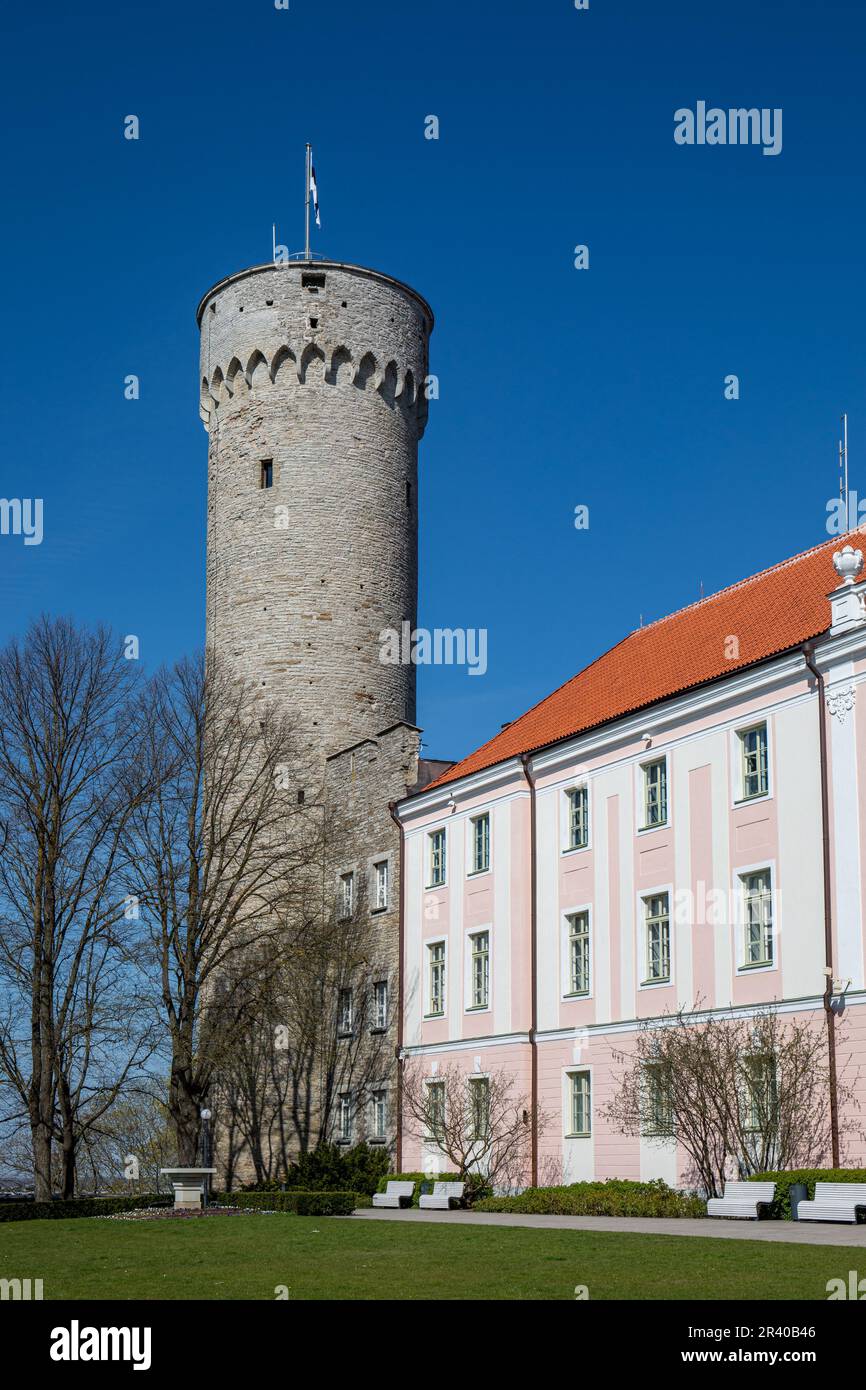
x=748, y=579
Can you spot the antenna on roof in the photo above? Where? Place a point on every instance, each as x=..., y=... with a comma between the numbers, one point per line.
x=843, y=469
x=702, y=591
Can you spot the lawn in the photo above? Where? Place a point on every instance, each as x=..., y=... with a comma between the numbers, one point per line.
x=337, y=1258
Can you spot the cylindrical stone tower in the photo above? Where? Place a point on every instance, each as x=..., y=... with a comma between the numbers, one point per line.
x=313, y=394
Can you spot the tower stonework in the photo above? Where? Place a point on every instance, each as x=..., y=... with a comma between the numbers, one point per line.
x=313, y=379
x=312, y=392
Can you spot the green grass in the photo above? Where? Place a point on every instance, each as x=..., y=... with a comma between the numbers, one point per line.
x=337, y=1258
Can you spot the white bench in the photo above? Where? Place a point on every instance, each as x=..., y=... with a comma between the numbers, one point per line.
x=444, y=1196
x=396, y=1194
x=742, y=1200
x=834, y=1201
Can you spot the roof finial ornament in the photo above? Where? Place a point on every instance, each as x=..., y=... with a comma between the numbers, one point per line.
x=848, y=563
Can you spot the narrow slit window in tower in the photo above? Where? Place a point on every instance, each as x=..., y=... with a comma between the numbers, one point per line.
x=267, y=473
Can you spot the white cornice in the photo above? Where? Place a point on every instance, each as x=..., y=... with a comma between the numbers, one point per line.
x=631, y=1025
x=466, y=1044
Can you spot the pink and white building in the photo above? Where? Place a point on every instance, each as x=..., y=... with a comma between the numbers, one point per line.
x=683, y=821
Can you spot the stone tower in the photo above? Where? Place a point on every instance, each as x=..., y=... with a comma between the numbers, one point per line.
x=312, y=392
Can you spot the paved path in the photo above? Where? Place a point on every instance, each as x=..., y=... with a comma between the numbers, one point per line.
x=802, y=1232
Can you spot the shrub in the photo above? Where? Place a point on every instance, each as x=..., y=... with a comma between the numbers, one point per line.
x=616, y=1197
x=326, y=1203
x=321, y=1203
x=332, y=1168
x=784, y=1182
x=81, y=1206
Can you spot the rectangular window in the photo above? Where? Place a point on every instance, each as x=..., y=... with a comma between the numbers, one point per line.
x=655, y=794
x=480, y=969
x=381, y=872
x=344, y=1118
x=581, y=1097
x=479, y=1106
x=266, y=477
x=578, y=953
x=347, y=895
x=481, y=844
x=578, y=817
x=437, y=858
x=659, y=1109
x=345, y=1012
x=657, y=922
x=379, y=1115
x=754, y=775
x=761, y=1096
x=436, y=1108
x=436, y=970
x=758, y=914
x=380, y=1005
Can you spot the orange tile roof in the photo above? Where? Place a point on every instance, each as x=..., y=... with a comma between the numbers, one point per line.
x=768, y=613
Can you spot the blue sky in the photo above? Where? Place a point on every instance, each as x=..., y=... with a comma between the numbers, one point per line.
x=558, y=387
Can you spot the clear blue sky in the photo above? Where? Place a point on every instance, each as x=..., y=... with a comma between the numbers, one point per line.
x=558, y=386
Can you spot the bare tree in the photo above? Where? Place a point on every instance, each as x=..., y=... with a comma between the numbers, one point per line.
x=225, y=858
x=481, y=1124
x=312, y=1037
x=750, y=1094
x=70, y=1035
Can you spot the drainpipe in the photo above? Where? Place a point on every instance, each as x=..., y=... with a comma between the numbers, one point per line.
x=808, y=656
x=398, y=1052
x=533, y=970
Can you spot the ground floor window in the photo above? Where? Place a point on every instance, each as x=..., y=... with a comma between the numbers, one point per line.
x=580, y=1097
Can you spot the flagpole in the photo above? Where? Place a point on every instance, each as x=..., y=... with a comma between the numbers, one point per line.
x=307, y=209
x=274, y=241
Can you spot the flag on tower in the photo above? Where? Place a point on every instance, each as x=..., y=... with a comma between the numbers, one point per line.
x=314, y=190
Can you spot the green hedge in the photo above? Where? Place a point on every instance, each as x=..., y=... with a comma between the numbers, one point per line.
x=301, y=1203
x=475, y=1186
x=784, y=1182
x=81, y=1206
x=616, y=1197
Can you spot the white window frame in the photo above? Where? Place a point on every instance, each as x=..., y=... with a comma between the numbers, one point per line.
x=643, y=937
x=428, y=976
x=377, y=1135
x=377, y=1026
x=469, y=980
x=565, y=953
x=429, y=1083
x=347, y=900
x=472, y=822
x=748, y=1098
x=641, y=793
x=571, y=1073
x=345, y=1118
x=379, y=864
x=741, y=873
x=660, y=1133
x=566, y=847
x=478, y=1078
x=738, y=787
x=349, y=1031
x=431, y=834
